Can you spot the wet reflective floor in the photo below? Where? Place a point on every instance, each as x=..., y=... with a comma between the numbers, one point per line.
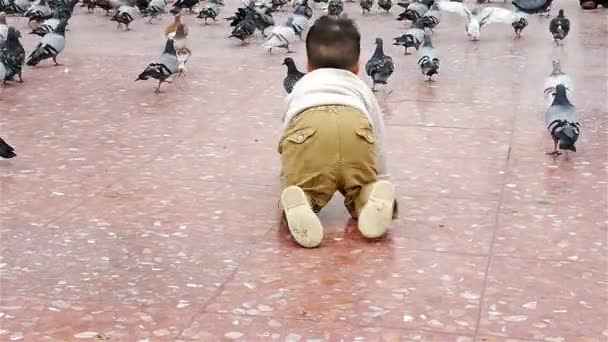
x=131, y=216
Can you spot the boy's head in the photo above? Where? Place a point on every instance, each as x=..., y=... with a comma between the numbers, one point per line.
x=333, y=43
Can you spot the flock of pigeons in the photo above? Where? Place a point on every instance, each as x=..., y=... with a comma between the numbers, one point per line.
x=49, y=18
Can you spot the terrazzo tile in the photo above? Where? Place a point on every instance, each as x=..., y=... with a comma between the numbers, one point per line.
x=34, y=319
x=557, y=229
x=545, y=300
x=251, y=328
x=358, y=285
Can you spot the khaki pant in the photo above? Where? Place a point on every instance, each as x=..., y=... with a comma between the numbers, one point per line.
x=327, y=149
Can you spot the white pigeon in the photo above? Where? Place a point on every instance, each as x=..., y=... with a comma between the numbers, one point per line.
x=3, y=28
x=556, y=77
x=480, y=16
x=281, y=36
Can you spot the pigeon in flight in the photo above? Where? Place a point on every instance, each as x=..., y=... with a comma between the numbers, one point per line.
x=556, y=77
x=211, y=10
x=6, y=150
x=380, y=66
x=559, y=27
x=165, y=67
x=413, y=37
x=561, y=122
x=293, y=75
x=428, y=60
x=479, y=17
x=12, y=55
x=50, y=46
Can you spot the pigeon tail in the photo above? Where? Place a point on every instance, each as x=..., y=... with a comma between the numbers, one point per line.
x=567, y=137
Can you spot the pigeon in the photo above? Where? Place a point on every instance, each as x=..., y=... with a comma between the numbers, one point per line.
x=277, y=5
x=142, y=4
x=38, y=12
x=182, y=51
x=431, y=18
x=519, y=26
x=366, y=6
x=106, y=5
x=479, y=17
x=165, y=67
x=428, y=60
x=556, y=77
x=183, y=4
x=244, y=26
x=12, y=55
x=15, y=6
x=3, y=28
x=125, y=15
x=532, y=6
x=413, y=37
x=293, y=75
x=304, y=9
x=335, y=7
x=211, y=10
x=559, y=27
x=6, y=150
x=281, y=36
x=49, y=25
x=385, y=4
x=50, y=46
x=300, y=24
x=2, y=73
x=413, y=11
x=561, y=122
x=380, y=66
x=155, y=7
x=172, y=28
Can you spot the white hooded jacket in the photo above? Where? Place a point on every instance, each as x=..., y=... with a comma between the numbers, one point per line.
x=326, y=86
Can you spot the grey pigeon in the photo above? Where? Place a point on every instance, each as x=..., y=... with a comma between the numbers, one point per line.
x=6, y=150
x=211, y=10
x=335, y=7
x=50, y=46
x=125, y=15
x=519, y=25
x=413, y=11
x=413, y=37
x=12, y=55
x=562, y=123
x=293, y=75
x=559, y=27
x=164, y=68
x=3, y=28
x=155, y=7
x=304, y=9
x=532, y=6
x=380, y=66
x=428, y=60
x=385, y=4
x=556, y=77
x=366, y=6
x=431, y=18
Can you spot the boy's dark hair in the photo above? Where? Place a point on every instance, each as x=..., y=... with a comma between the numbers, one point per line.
x=333, y=43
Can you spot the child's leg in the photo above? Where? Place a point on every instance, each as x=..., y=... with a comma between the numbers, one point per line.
x=308, y=156
x=366, y=198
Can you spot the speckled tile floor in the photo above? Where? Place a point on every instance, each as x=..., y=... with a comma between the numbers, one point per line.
x=134, y=217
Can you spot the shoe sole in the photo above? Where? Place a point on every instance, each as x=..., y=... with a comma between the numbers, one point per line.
x=304, y=225
x=377, y=214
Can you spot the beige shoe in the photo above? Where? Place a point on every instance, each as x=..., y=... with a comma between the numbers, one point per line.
x=304, y=224
x=377, y=214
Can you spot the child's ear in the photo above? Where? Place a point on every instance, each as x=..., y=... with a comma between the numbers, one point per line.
x=355, y=69
x=309, y=67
